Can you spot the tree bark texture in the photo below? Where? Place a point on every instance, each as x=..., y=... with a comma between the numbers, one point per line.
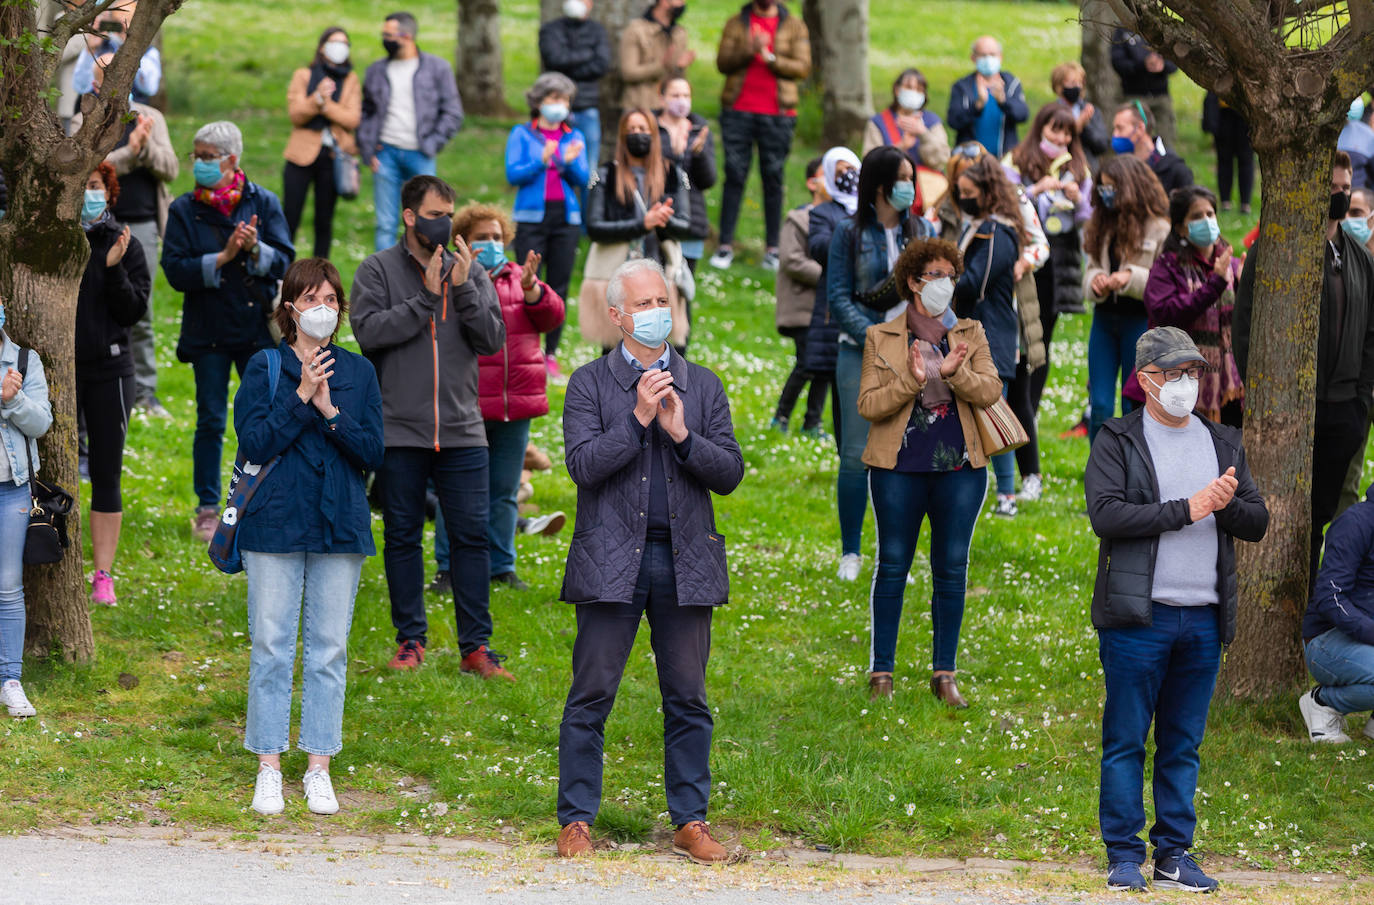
x=1102, y=83
x=1295, y=96
x=43, y=254
x=614, y=15
x=841, y=57
x=480, y=79
x=550, y=10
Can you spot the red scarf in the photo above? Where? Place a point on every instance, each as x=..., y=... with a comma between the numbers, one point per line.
x=225, y=198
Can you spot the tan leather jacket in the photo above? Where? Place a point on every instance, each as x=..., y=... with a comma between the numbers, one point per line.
x=303, y=146
x=888, y=391
x=644, y=61
x=791, y=48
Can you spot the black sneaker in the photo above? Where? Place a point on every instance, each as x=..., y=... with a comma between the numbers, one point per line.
x=511, y=580
x=1182, y=873
x=442, y=583
x=1125, y=875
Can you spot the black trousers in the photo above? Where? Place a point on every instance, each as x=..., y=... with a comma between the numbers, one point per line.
x=739, y=133
x=296, y=181
x=105, y=405
x=1019, y=398
x=1339, y=433
x=792, y=387
x=556, y=241
x=1049, y=316
x=681, y=641
x=1232, y=143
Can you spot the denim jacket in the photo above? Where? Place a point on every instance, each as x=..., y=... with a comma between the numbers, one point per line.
x=525, y=169
x=27, y=416
x=861, y=267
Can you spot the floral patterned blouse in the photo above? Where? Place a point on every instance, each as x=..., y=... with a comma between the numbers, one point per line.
x=934, y=439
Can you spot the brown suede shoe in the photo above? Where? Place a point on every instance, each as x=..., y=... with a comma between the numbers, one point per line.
x=879, y=685
x=943, y=687
x=694, y=840
x=486, y=663
x=575, y=840
x=536, y=459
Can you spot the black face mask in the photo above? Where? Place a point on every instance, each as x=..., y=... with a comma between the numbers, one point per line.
x=1071, y=95
x=1340, y=203
x=676, y=13
x=433, y=232
x=639, y=144
x=392, y=48
x=969, y=206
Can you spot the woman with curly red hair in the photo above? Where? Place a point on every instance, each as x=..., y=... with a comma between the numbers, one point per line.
x=113, y=296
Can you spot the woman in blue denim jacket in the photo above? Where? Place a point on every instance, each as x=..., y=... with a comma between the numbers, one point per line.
x=308, y=528
x=25, y=415
x=861, y=292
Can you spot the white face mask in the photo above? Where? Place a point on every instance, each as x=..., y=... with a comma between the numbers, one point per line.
x=318, y=322
x=336, y=52
x=575, y=9
x=910, y=99
x=936, y=296
x=1178, y=397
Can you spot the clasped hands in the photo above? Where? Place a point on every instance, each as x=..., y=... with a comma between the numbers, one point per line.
x=1216, y=496
x=656, y=398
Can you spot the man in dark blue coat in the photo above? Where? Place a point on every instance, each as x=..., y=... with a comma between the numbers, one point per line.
x=649, y=439
x=986, y=105
x=1338, y=630
x=226, y=249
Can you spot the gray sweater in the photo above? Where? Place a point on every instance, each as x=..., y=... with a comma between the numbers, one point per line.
x=1185, y=462
x=425, y=348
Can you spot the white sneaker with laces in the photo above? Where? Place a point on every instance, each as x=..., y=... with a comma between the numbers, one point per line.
x=723, y=258
x=1006, y=505
x=547, y=525
x=770, y=261
x=1324, y=724
x=319, y=792
x=267, y=791
x=12, y=693
x=850, y=564
x=1031, y=488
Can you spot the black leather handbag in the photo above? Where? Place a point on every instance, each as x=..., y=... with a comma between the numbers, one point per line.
x=46, y=540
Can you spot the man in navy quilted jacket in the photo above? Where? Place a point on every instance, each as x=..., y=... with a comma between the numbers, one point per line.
x=648, y=439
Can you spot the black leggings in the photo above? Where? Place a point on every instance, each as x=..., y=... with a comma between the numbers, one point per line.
x=1049, y=316
x=296, y=181
x=556, y=241
x=1019, y=397
x=791, y=389
x=1232, y=141
x=105, y=404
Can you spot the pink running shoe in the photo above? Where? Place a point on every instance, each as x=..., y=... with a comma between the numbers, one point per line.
x=551, y=366
x=102, y=588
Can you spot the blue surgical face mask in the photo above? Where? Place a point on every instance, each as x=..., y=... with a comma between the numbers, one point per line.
x=491, y=253
x=1108, y=195
x=93, y=205
x=1204, y=232
x=652, y=327
x=1122, y=145
x=903, y=195
x=1356, y=228
x=207, y=172
x=554, y=113
x=988, y=65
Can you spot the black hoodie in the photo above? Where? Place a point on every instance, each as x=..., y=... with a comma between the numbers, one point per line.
x=111, y=300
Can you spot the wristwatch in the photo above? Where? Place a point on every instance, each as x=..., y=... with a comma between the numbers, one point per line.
x=769, y=57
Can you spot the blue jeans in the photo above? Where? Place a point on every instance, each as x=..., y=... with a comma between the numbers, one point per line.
x=1004, y=465
x=1163, y=673
x=277, y=584
x=460, y=478
x=589, y=122
x=901, y=500
x=394, y=167
x=1111, y=355
x=506, y=442
x=14, y=525
x=1344, y=668
x=212, y=416
x=851, y=486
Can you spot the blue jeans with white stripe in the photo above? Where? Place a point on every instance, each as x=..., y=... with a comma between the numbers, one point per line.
x=902, y=500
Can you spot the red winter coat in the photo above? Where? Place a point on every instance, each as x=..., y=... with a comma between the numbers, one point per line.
x=511, y=382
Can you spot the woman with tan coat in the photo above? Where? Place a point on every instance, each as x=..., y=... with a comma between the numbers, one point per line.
x=325, y=103
x=924, y=374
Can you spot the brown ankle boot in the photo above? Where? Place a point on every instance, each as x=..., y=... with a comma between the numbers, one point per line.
x=943, y=687
x=575, y=840
x=879, y=685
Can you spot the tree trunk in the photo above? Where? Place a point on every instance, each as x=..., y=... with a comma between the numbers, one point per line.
x=811, y=15
x=550, y=10
x=842, y=62
x=1266, y=657
x=614, y=15
x=1102, y=83
x=480, y=80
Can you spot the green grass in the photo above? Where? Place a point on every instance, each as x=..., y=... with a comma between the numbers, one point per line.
x=799, y=752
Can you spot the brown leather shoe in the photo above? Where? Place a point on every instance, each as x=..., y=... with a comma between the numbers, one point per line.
x=575, y=840
x=694, y=840
x=536, y=459
x=943, y=687
x=879, y=685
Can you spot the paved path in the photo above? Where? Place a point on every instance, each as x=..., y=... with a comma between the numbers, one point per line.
x=77, y=866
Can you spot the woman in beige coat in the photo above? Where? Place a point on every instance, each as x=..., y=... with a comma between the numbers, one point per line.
x=325, y=103
x=924, y=374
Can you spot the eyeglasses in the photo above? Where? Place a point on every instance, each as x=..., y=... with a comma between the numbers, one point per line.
x=1173, y=374
x=207, y=156
x=937, y=275
x=970, y=149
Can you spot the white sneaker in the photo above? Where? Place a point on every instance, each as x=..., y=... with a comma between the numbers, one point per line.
x=12, y=693
x=1031, y=488
x=319, y=792
x=723, y=258
x=267, y=791
x=547, y=525
x=770, y=261
x=1006, y=505
x=1324, y=724
x=850, y=564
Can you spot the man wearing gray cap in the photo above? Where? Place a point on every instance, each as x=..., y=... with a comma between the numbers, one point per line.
x=1168, y=492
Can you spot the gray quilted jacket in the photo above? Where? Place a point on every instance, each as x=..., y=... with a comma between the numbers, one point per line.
x=610, y=466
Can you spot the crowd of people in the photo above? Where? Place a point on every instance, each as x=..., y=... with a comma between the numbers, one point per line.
x=921, y=285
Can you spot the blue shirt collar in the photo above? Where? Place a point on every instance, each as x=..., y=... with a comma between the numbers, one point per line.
x=661, y=364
